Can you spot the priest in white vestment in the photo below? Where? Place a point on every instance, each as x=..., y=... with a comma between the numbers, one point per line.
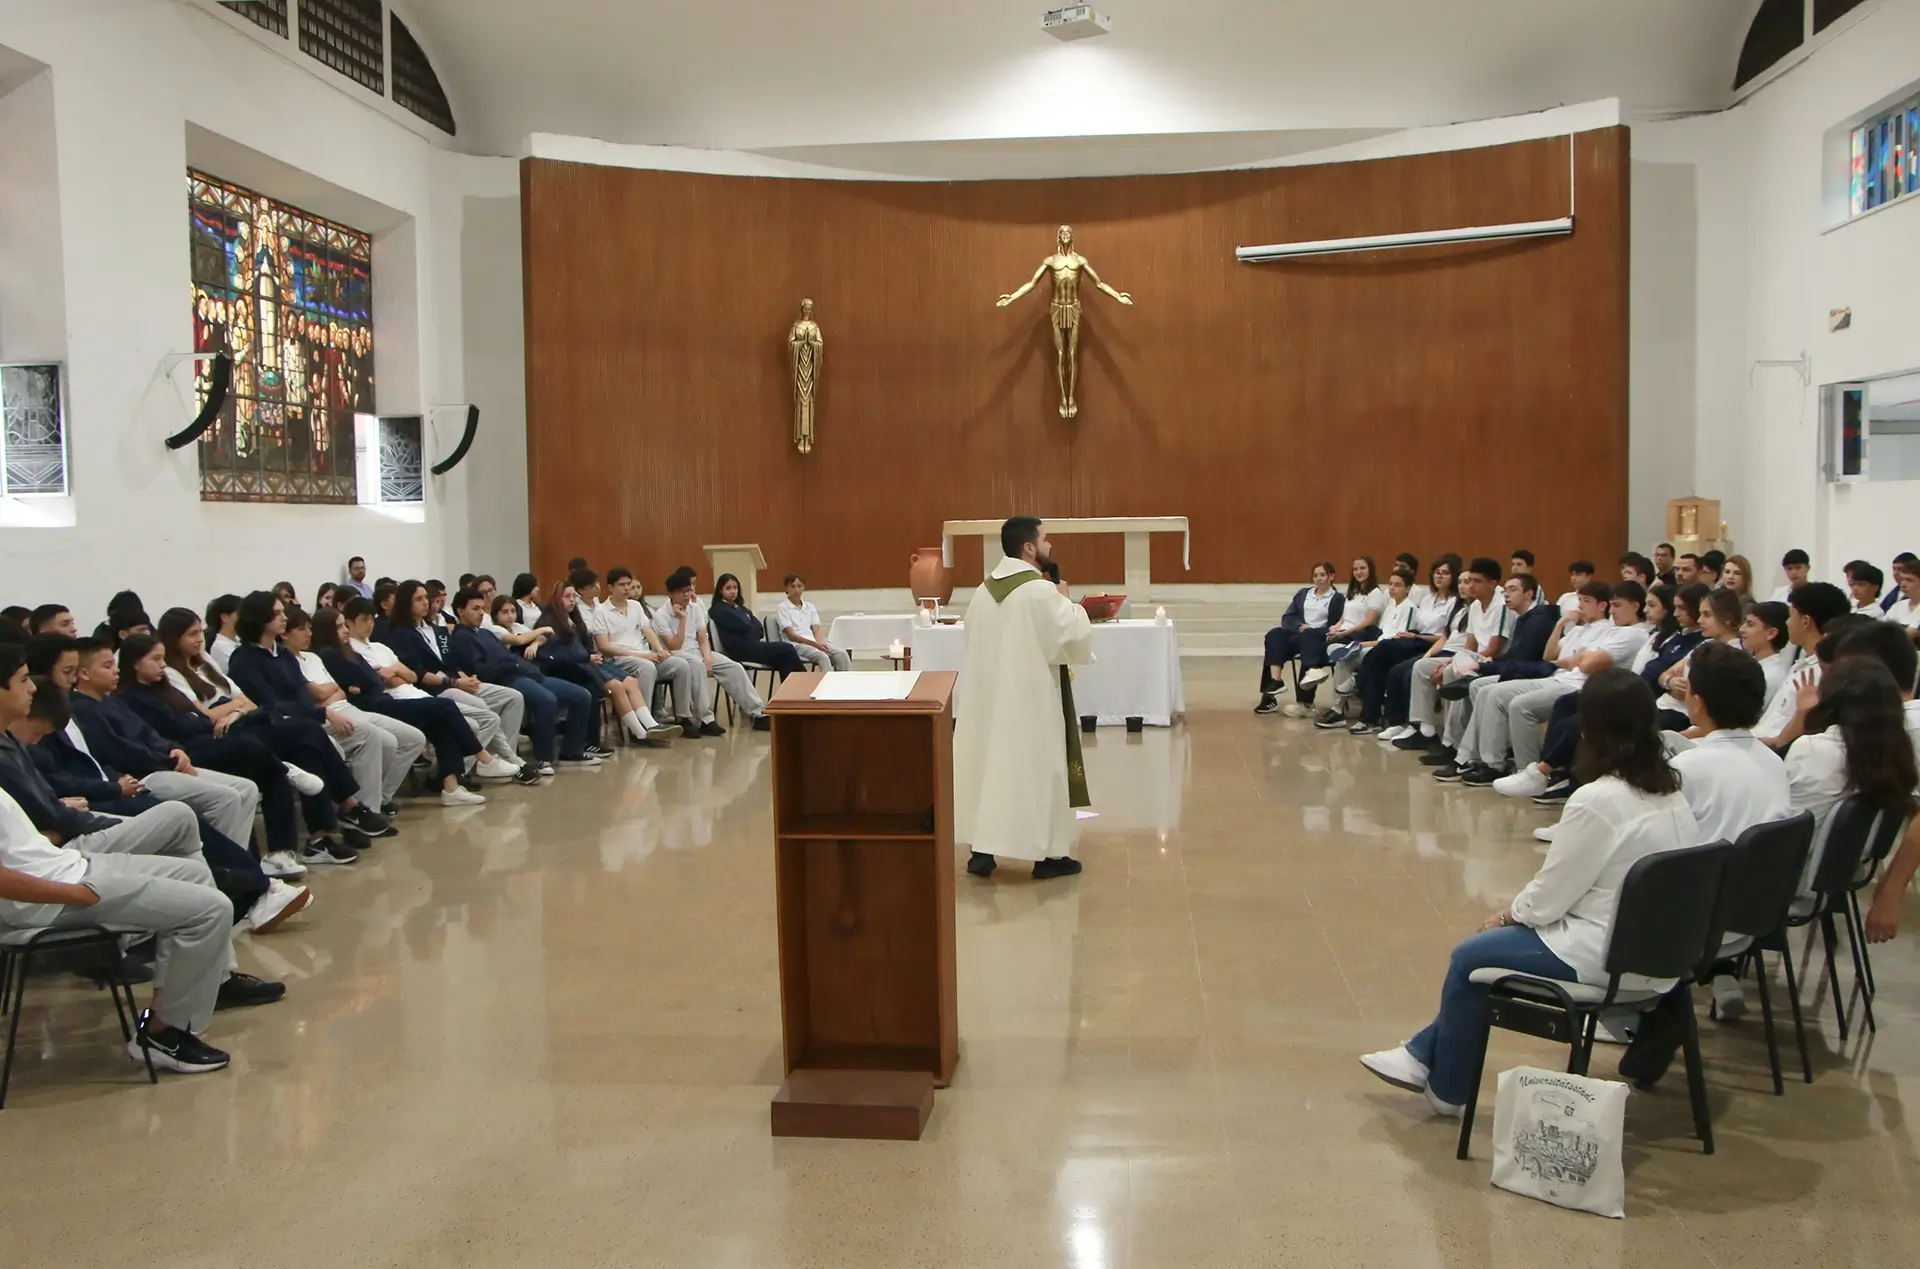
x=1017, y=771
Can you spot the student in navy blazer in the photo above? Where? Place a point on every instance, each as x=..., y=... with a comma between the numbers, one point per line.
x=1302, y=632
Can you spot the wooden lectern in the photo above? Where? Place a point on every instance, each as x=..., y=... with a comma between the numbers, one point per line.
x=863, y=873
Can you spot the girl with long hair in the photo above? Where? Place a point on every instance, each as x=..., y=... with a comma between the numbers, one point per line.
x=327, y=597
x=570, y=654
x=742, y=636
x=1855, y=743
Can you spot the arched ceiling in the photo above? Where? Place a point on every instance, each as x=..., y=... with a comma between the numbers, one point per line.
x=764, y=74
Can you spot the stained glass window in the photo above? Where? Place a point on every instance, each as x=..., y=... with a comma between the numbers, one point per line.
x=290, y=296
x=1884, y=157
x=268, y=14
x=415, y=86
x=346, y=35
x=33, y=441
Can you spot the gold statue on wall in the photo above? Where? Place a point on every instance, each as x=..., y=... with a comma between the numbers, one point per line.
x=806, y=347
x=1066, y=264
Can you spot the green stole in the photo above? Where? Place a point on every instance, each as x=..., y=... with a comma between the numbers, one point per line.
x=1000, y=588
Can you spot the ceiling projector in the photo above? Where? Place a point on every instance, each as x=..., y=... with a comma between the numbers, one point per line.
x=1075, y=22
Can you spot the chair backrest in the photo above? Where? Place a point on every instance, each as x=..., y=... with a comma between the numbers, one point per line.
x=1762, y=876
x=1850, y=840
x=1664, y=920
x=771, y=624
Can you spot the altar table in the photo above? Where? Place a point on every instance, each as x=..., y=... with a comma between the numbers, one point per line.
x=1135, y=671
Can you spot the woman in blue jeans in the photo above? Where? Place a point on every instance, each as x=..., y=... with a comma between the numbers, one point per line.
x=1629, y=806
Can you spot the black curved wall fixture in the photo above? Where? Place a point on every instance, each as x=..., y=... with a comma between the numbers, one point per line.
x=217, y=384
x=466, y=443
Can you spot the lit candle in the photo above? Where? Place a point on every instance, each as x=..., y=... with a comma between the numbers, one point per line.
x=1160, y=615
x=896, y=649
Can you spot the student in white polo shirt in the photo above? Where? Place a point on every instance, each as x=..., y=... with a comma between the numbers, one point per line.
x=1579, y=573
x=1479, y=631
x=682, y=627
x=623, y=631
x=1795, y=564
x=1906, y=609
x=800, y=623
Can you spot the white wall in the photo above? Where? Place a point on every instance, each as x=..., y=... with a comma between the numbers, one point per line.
x=1764, y=276
x=126, y=82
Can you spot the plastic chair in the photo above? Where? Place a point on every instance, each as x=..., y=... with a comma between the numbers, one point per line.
x=1859, y=838
x=1661, y=929
x=18, y=947
x=1757, y=890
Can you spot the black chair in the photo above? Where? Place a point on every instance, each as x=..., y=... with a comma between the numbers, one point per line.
x=18, y=947
x=1859, y=837
x=1662, y=928
x=1757, y=890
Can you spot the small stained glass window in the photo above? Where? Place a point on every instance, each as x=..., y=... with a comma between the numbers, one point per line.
x=33, y=442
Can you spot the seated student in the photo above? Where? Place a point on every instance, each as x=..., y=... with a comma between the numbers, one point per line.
x=473, y=652
x=52, y=619
x=1686, y=571
x=1905, y=609
x=800, y=622
x=1719, y=616
x=272, y=678
x=1302, y=632
x=682, y=627
x=623, y=632
x=1411, y=562
x=1390, y=677
x=1905, y=561
x=222, y=613
x=1811, y=611
x=638, y=674
x=743, y=636
x=1394, y=626
x=436, y=591
x=194, y=706
x=1864, y=584
x=1672, y=643
x=329, y=596
x=285, y=593
x=1710, y=565
x=492, y=712
x=1401, y=641
x=1736, y=575
x=1522, y=657
x=1635, y=567
x=1795, y=564
x=1479, y=631
x=1663, y=560
x=384, y=596
x=572, y=654
x=1521, y=561
x=455, y=747
x=1856, y=742
x=18, y=614
x=1763, y=633
x=1579, y=573
x=125, y=616
x=525, y=588
x=1892, y=648
x=1629, y=807
x=43, y=885
x=1359, y=621
x=399, y=743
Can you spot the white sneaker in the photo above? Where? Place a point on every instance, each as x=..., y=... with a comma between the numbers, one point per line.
x=1317, y=674
x=1294, y=709
x=493, y=767
x=305, y=783
x=1545, y=834
x=280, y=901
x=1397, y=1067
x=1527, y=782
x=1446, y=1110
x=457, y=796
x=281, y=863
x=1729, y=998
x=1392, y=734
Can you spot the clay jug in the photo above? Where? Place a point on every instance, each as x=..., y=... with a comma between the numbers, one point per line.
x=928, y=576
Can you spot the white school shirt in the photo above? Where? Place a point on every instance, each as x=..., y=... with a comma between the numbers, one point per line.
x=219, y=650
x=1605, y=828
x=1733, y=781
x=801, y=619
x=1905, y=612
x=1397, y=618
x=1569, y=603
x=1817, y=782
x=1912, y=710
x=1313, y=613
x=380, y=657
x=1374, y=601
x=1786, y=701
x=316, y=671
x=1622, y=643
x=24, y=850
x=623, y=627
x=1775, y=668
x=78, y=739
x=1869, y=609
x=1489, y=621
x=1780, y=596
x=1430, y=614
x=666, y=624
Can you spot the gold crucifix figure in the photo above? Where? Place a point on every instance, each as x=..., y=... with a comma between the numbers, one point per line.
x=1066, y=265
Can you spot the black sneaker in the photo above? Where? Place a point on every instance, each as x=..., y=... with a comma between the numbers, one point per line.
x=599, y=751
x=368, y=822
x=327, y=851
x=1441, y=757
x=243, y=991
x=1329, y=719
x=762, y=722
x=1047, y=869
x=174, y=1049
x=981, y=865
x=712, y=729
x=1450, y=774
x=390, y=810
x=1480, y=777
x=528, y=774
x=1415, y=739
x=1365, y=729
x=1557, y=792
x=1269, y=704
x=689, y=729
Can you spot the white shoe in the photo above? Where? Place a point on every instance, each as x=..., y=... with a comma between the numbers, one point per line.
x=458, y=796
x=273, y=908
x=1392, y=734
x=1397, y=1067
x=1527, y=782
x=1545, y=834
x=1446, y=1110
x=281, y=863
x=305, y=783
x=493, y=767
x=1729, y=998
x=1294, y=709
x=1318, y=674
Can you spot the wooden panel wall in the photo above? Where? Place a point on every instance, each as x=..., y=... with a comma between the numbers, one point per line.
x=1468, y=398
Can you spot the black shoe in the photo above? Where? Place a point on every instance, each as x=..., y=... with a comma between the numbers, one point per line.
x=1329, y=719
x=367, y=822
x=242, y=991
x=1047, y=869
x=1451, y=774
x=390, y=810
x=599, y=751
x=528, y=774
x=1413, y=740
x=689, y=729
x=1269, y=704
x=762, y=722
x=174, y=1049
x=1441, y=757
x=981, y=865
x=325, y=851
x=1650, y=1054
x=1456, y=690
x=1557, y=792
x=1365, y=729
x=712, y=729
x=1481, y=776
x=472, y=783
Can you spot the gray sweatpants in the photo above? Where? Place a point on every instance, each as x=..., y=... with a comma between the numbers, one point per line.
x=815, y=659
x=738, y=684
x=373, y=754
x=1511, y=715
x=228, y=802
x=175, y=898
x=494, y=713
x=168, y=829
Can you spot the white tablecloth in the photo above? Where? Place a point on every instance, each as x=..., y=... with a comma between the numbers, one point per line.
x=1135, y=671
x=871, y=632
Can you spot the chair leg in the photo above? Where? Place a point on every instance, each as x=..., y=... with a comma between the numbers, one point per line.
x=1793, y=998
x=1831, y=942
x=1866, y=952
x=6, y=981
x=1473, y=1093
x=1766, y=1016
x=1697, y=1077
x=13, y=1026
x=1858, y=946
